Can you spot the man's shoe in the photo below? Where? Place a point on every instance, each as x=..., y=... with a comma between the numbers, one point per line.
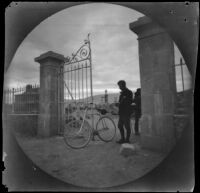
x=121, y=141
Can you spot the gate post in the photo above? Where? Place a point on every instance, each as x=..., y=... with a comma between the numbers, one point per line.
x=158, y=85
x=51, y=93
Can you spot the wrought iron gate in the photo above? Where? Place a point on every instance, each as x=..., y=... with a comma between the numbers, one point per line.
x=75, y=83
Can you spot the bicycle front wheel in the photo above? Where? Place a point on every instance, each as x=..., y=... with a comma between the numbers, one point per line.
x=77, y=134
x=106, y=128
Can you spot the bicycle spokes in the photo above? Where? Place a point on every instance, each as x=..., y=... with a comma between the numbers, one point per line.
x=106, y=129
x=77, y=134
x=103, y=126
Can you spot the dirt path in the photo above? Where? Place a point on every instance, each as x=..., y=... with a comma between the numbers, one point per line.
x=97, y=165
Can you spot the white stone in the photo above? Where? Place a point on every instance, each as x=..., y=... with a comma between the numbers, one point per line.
x=127, y=149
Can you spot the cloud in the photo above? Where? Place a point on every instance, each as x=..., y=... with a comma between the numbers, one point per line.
x=114, y=46
x=23, y=69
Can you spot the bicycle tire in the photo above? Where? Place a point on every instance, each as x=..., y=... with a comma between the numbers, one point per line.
x=75, y=136
x=106, y=128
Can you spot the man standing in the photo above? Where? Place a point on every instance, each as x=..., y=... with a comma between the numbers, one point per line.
x=125, y=100
x=137, y=101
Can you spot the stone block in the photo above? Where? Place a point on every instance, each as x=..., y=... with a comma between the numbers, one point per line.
x=161, y=81
x=158, y=124
x=161, y=125
x=127, y=149
x=158, y=103
x=25, y=125
x=43, y=125
x=146, y=124
x=156, y=58
x=168, y=101
x=146, y=61
x=168, y=127
x=157, y=81
x=50, y=64
x=147, y=103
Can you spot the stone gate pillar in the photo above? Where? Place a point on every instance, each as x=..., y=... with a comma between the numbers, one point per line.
x=51, y=93
x=158, y=84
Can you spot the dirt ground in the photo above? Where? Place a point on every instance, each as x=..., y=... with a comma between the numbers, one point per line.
x=97, y=165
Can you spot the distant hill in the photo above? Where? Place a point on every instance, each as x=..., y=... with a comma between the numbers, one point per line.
x=113, y=97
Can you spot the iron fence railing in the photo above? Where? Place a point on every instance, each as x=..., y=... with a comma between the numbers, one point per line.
x=180, y=65
x=22, y=100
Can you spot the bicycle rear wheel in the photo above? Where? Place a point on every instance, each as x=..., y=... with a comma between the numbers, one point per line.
x=106, y=128
x=77, y=134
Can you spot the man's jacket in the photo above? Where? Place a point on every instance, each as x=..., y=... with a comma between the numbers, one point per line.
x=125, y=100
x=137, y=101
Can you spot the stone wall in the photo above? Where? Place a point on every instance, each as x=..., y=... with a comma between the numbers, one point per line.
x=25, y=125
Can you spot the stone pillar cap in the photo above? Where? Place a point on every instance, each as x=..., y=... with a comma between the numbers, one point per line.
x=50, y=54
x=145, y=24
x=141, y=21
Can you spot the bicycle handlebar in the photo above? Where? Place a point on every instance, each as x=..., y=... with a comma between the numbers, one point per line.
x=102, y=111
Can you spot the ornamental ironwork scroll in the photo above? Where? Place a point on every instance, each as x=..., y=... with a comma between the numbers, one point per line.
x=83, y=53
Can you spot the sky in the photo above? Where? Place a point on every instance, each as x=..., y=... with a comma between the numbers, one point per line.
x=114, y=46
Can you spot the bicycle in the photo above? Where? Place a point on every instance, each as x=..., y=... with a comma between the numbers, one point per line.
x=79, y=132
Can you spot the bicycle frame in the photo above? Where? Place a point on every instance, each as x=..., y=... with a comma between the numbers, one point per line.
x=83, y=120
x=94, y=131
x=92, y=114
x=85, y=126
